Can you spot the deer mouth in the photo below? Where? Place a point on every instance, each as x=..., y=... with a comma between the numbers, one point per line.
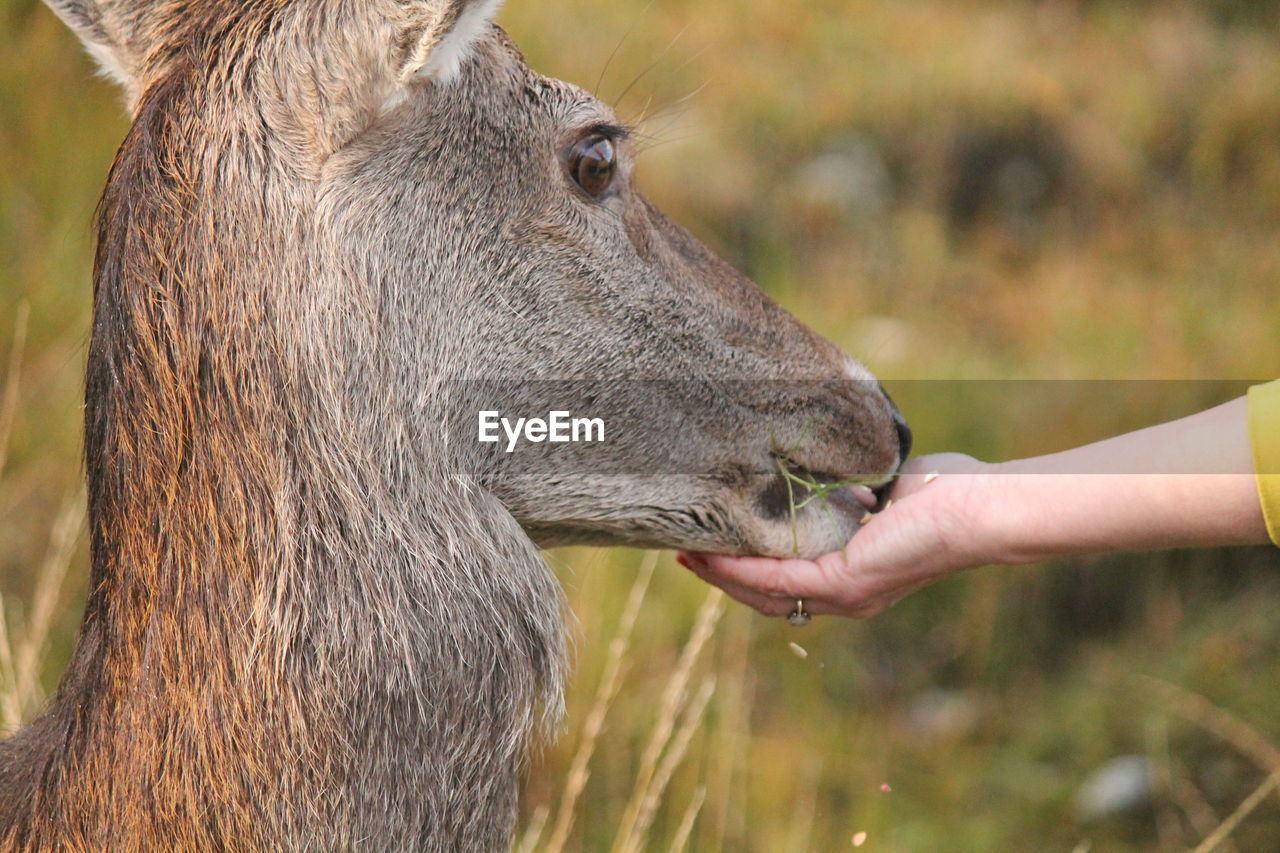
x=796, y=488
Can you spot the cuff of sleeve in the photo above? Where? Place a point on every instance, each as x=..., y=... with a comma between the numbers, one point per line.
x=1264, y=437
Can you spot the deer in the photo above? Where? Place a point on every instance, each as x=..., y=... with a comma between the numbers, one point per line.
x=318, y=614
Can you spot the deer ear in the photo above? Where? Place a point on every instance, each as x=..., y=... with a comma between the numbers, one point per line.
x=108, y=29
x=437, y=36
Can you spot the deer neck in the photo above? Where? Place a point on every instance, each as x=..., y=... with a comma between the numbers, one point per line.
x=302, y=629
x=277, y=655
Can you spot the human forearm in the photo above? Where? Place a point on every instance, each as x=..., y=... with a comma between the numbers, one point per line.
x=1187, y=483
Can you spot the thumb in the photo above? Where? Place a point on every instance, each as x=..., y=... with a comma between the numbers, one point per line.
x=922, y=470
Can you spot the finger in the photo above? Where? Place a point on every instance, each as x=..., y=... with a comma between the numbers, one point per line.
x=767, y=605
x=875, y=605
x=913, y=477
x=919, y=472
x=774, y=608
x=788, y=579
x=779, y=606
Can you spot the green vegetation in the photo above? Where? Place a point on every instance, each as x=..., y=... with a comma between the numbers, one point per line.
x=970, y=189
x=803, y=488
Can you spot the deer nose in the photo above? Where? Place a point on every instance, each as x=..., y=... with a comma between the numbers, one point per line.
x=904, y=450
x=904, y=435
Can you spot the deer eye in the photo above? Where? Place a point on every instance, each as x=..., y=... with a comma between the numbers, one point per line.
x=592, y=165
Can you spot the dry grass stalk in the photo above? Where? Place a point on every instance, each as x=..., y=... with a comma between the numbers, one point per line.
x=734, y=710
x=610, y=681
x=1169, y=824
x=1215, y=839
x=10, y=713
x=681, y=839
x=25, y=695
x=1199, y=813
x=1220, y=722
x=529, y=839
x=9, y=401
x=692, y=720
x=800, y=834
x=672, y=702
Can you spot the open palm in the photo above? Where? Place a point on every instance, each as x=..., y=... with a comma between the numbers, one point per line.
x=925, y=533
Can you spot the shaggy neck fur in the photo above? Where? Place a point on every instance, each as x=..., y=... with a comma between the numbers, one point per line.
x=304, y=629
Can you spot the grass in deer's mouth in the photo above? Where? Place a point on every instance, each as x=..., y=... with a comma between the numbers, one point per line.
x=815, y=488
x=805, y=487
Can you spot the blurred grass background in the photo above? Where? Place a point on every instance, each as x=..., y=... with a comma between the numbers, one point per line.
x=968, y=189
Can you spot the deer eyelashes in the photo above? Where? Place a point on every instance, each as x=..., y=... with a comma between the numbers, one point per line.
x=593, y=164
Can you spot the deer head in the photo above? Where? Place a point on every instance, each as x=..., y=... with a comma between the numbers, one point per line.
x=418, y=206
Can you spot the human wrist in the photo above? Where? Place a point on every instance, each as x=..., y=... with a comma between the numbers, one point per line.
x=977, y=512
x=1009, y=515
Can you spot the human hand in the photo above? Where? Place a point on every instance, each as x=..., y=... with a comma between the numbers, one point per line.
x=934, y=526
x=1187, y=483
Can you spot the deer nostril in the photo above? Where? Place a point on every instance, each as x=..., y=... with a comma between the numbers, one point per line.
x=904, y=436
x=899, y=425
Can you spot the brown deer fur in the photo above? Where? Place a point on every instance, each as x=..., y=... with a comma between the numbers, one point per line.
x=312, y=624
